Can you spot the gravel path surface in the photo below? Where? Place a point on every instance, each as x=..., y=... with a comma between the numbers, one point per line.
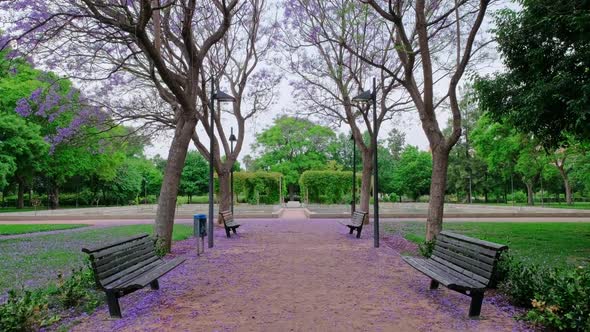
x=295, y=274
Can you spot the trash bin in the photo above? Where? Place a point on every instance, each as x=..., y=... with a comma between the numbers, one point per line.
x=200, y=225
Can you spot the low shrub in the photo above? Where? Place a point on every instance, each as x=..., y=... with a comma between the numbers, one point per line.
x=78, y=291
x=558, y=298
x=564, y=302
x=426, y=248
x=25, y=311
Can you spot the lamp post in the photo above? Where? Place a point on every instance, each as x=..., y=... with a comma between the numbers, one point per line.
x=220, y=97
x=353, y=203
x=232, y=139
x=366, y=97
x=469, y=181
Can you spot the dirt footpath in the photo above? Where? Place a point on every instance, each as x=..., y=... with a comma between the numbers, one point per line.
x=295, y=274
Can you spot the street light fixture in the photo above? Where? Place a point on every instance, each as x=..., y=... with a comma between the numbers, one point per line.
x=366, y=97
x=232, y=139
x=220, y=97
x=353, y=203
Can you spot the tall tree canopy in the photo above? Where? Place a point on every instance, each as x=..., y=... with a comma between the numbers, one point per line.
x=291, y=146
x=546, y=87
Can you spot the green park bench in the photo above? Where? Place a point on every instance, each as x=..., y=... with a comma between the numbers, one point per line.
x=125, y=266
x=228, y=222
x=461, y=263
x=356, y=222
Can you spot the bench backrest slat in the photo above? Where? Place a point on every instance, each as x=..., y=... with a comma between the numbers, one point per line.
x=118, y=259
x=475, y=259
x=358, y=218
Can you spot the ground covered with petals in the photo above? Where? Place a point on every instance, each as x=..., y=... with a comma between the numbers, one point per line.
x=294, y=274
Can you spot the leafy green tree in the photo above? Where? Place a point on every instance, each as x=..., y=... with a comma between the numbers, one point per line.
x=507, y=151
x=195, y=175
x=291, y=146
x=413, y=172
x=21, y=147
x=396, y=142
x=546, y=88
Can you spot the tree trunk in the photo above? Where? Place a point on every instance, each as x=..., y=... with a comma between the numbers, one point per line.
x=566, y=185
x=20, y=202
x=54, y=197
x=169, y=191
x=440, y=163
x=224, y=193
x=366, y=176
x=529, y=190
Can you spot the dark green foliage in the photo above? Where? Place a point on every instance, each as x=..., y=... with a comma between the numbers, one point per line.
x=78, y=291
x=327, y=187
x=426, y=248
x=546, y=89
x=558, y=298
x=25, y=311
x=258, y=187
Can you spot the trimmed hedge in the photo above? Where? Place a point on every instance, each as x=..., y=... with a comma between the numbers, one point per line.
x=328, y=187
x=258, y=187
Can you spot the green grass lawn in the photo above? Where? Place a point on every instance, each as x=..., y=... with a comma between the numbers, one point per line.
x=551, y=243
x=36, y=261
x=23, y=229
x=576, y=205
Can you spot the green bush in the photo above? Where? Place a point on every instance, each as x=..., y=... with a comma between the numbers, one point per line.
x=564, y=301
x=258, y=187
x=426, y=248
x=327, y=187
x=78, y=291
x=25, y=311
x=518, y=197
x=558, y=298
x=393, y=197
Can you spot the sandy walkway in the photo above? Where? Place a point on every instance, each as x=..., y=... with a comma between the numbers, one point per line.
x=296, y=275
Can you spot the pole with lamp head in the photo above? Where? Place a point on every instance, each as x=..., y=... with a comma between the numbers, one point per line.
x=353, y=203
x=366, y=97
x=232, y=139
x=220, y=97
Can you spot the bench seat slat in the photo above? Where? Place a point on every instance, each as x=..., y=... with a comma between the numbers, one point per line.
x=130, y=270
x=459, y=270
x=128, y=264
x=466, y=252
x=477, y=242
x=125, y=246
x=134, y=273
x=467, y=263
x=102, y=262
x=117, y=244
x=468, y=246
x=446, y=276
x=153, y=274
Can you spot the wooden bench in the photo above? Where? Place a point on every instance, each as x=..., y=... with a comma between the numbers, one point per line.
x=228, y=222
x=356, y=222
x=461, y=263
x=125, y=266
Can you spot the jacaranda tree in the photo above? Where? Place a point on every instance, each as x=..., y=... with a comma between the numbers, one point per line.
x=156, y=44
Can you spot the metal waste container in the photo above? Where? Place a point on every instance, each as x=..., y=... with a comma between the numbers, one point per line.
x=200, y=225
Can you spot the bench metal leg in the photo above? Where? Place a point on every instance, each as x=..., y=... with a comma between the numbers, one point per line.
x=433, y=284
x=476, y=301
x=155, y=285
x=234, y=230
x=358, y=233
x=227, y=232
x=113, y=302
x=351, y=229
